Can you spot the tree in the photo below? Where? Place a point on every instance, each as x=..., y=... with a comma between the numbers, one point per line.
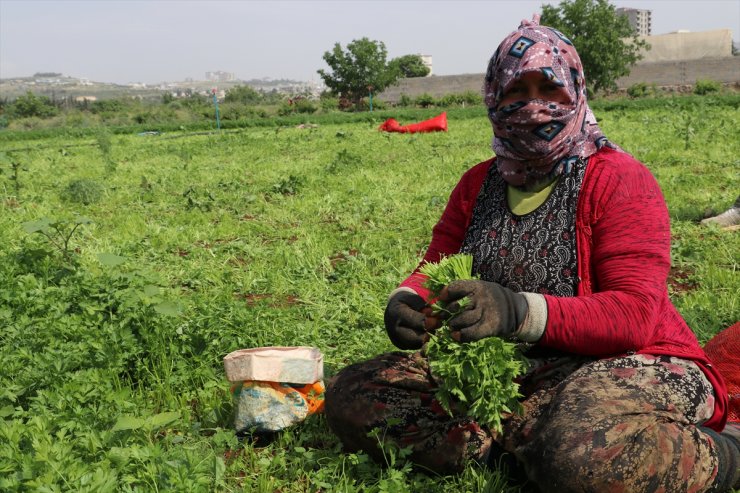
x=604, y=39
x=243, y=94
x=361, y=69
x=32, y=105
x=410, y=66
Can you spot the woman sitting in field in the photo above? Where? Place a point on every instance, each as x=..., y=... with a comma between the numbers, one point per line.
x=570, y=238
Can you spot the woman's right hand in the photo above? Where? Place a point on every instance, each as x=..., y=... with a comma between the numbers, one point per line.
x=406, y=321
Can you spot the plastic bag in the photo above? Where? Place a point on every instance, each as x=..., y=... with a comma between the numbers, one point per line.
x=275, y=387
x=264, y=407
x=436, y=124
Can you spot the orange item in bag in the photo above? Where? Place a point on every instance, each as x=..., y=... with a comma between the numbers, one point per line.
x=273, y=406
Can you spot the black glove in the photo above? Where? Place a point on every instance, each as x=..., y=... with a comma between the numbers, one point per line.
x=404, y=320
x=492, y=310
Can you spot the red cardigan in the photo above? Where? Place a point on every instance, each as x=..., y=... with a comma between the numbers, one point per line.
x=623, y=245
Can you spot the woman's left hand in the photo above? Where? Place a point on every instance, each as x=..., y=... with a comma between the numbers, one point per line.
x=492, y=310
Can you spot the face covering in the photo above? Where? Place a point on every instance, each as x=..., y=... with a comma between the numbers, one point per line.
x=537, y=140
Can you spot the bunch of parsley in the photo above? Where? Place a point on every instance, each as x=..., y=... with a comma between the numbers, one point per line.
x=477, y=377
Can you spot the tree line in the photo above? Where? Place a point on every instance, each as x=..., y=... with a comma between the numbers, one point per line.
x=594, y=26
x=362, y=69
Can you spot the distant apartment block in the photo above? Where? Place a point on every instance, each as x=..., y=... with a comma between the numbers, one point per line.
x=639, y=20
x=219, y=76
x=427, y=61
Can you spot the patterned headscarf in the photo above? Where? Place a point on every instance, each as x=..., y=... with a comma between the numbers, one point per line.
x=536, y=140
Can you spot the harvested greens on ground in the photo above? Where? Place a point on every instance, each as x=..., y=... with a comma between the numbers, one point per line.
x=478, y=376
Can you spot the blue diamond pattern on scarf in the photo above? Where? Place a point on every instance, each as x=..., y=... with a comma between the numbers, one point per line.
x=520, y=46
x=549, y=130
x=508, y=144
x=550, y=74
x=511, y=108
x=562, y=36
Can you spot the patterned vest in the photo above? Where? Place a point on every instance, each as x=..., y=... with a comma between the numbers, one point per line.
x=535, y=252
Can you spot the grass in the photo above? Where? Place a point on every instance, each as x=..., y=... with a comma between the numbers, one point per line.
x=262, y=236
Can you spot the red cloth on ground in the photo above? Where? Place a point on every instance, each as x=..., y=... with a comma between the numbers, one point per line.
x=724, y=352
x=623, y=238
x=390, y=125
x=436, y=124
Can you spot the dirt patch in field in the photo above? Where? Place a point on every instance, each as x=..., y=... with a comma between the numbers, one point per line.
x=681, y=279
x=274, y=301
x=238, y=261
x=342, y=256
x=219, y=241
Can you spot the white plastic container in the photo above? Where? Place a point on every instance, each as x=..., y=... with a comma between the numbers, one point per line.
x=297, y=364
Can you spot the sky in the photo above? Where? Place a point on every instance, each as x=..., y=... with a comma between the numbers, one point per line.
x=153, y=41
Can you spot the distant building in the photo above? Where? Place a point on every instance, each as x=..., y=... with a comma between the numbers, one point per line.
x=219, y=76
x=427, y=61
x=639, y=20
x=683, y=45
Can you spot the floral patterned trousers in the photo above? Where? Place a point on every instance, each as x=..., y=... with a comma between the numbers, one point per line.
x=627, y=424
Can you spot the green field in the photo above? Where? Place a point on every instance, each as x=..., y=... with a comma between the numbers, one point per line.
x=188, y=247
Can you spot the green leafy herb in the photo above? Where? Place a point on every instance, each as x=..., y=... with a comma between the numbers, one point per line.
x=453, y=268
x=476, y=376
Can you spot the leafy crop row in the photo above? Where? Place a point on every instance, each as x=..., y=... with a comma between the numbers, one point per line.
x=201, y=244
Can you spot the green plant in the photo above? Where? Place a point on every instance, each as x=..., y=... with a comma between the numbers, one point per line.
x=425, y=100
x=410, y=66
x=471, y=98
x=641, y=90
x=297, y=105
x=343, y=161
x=393, y=455
x=448, y=269
x=476, y=377
x=236, y=111
x=287, y=186
x=706, y=86
x=84, y=191
x=84, y=347
x=15, y=171
x=405, y=101
x=185, y=155
x=105, y=144
x=243, y=94
x=686, y=127
x=58, y=232
x=461, y=99
x=359, y=70
x=201, y=199
x=31, y=105
x=327, y=102
x=108, y=106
